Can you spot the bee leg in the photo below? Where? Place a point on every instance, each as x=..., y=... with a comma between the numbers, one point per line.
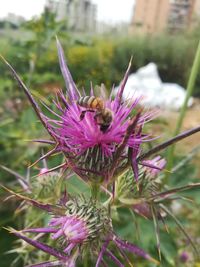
x=103, y=127
x=97, y=115
x=82, y=116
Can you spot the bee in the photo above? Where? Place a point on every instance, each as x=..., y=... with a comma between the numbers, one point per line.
x=103, y=116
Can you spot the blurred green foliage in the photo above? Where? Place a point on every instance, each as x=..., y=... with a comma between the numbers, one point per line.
x=98, y=60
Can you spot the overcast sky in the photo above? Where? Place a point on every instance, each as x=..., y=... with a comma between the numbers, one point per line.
x=108, y=10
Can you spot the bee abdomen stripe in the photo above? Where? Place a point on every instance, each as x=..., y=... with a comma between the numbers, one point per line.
x=91, y=100
x=83, y=101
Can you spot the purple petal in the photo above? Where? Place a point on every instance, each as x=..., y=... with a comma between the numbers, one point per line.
x=39, y=230
x=112, y=257
x=175, y=190
x=134, y=164
x=134, y=153
x=169, y=142
x=63, y=165
x=58, y=234
x=69, y=248
x=146, y=164
x=24, y=184
x=70, y=85
x=49, y=142
x=29, y=95
x=49, y=153
x=64, y=197
x=101, y=253
x=133, y=249
x=41, y=246
x=46, y=207
x=57, y=221
x=123, y=254
x=154, y=166
x=123, y=83
x=120, y=149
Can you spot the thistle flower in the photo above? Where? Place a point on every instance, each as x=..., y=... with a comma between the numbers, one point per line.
x=96, y=147
x=81, y=229
x=93, y=146
x=43, y=186
x=137, y=196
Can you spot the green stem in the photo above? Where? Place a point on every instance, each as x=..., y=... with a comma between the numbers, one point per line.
x=95, y=190
x=85, y=262
x=190, y=87
x=86, y=258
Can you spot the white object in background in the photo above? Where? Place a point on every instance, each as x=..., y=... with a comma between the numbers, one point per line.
x=147, y=83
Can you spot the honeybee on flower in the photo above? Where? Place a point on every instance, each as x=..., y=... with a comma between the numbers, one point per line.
x=103, y=116
x=100, y=140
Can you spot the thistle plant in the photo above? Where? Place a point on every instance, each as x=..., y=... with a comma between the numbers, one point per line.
x=102, y=142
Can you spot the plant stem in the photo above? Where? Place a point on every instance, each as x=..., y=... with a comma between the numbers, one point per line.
x=95, y=190
x=190, y=87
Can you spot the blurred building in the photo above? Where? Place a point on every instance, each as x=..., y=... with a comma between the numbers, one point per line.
x=195, y=14
x=154, y=16
x=180, y=15
x=112, y=29
x=149, y=16
x=80, y=14
x=14, y=19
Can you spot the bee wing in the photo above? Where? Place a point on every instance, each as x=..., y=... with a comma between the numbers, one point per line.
x=101, y=91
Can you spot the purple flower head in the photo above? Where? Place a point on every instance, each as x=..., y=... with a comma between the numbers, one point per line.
x=83, y=222
x=82, y=225
x=81, y=228
x=98, y=136
x=184, y=257
x=41, y=186
x=72, y=228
